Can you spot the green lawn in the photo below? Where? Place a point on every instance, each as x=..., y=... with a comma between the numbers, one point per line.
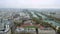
x=30, y=27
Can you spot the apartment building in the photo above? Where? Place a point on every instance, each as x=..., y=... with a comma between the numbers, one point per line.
x=47, y=30
x=5, y=27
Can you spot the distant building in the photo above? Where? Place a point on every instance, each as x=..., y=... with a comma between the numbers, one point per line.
x=16, y=15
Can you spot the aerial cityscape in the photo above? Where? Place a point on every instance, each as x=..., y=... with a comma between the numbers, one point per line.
x=29, y=21
x=29, y=16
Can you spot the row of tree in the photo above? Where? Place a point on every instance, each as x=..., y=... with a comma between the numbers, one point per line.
x=55, y=19
x=38, y=15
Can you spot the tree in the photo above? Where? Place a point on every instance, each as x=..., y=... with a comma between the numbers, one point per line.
x=36, y=20
x=58, y=31
x=36, y=30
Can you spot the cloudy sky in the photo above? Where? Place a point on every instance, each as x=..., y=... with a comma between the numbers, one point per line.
x=29, y=3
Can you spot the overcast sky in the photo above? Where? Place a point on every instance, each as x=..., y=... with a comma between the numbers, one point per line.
x=29, y=3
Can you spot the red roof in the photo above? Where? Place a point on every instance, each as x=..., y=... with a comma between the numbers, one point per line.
x=29, y=24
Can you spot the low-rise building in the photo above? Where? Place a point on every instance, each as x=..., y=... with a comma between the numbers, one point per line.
x=26, y=27
x=47, y=30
